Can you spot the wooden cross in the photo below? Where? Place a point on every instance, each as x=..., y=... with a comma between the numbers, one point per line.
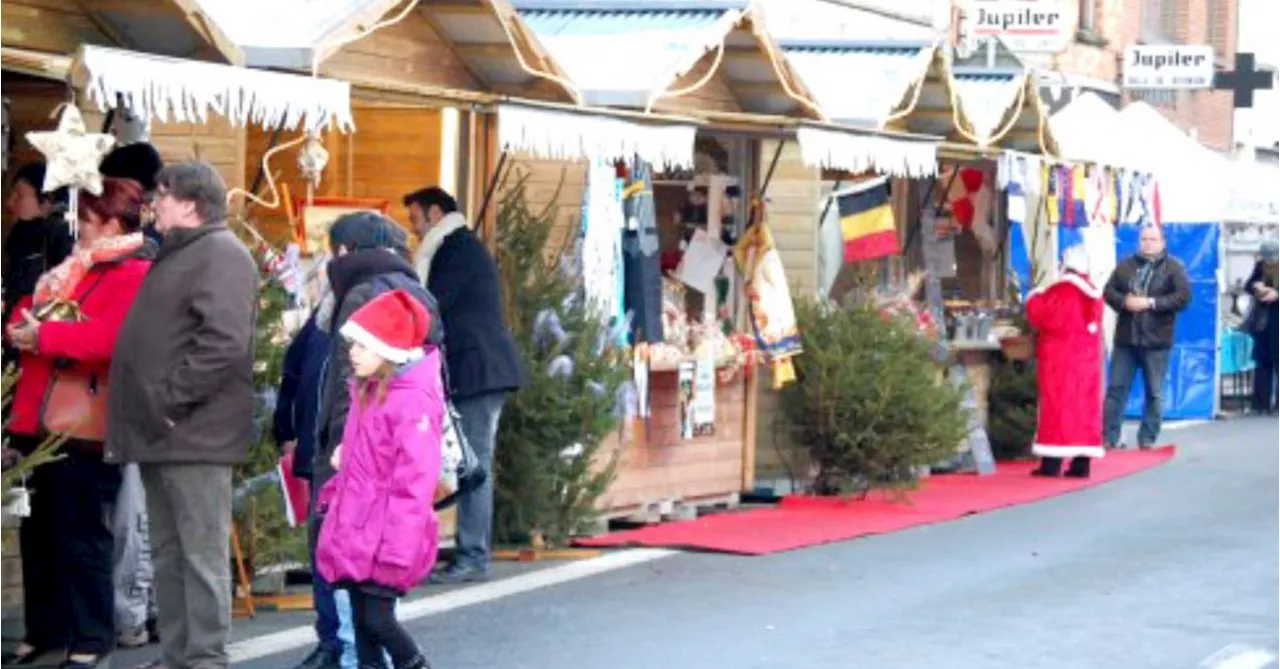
x=1244, y=80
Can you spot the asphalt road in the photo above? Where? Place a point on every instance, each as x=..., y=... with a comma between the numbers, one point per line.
x=1161, y=570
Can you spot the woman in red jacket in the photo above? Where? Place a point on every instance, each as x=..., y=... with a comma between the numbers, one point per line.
x=66, y=542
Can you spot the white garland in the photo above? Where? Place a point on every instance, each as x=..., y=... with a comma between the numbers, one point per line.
x=559, y=135
x=173, y=89
x=855, y=152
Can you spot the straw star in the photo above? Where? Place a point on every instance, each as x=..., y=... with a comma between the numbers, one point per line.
x=72, y=155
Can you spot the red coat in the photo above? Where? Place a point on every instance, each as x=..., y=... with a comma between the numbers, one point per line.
x=1067, y=317
x=104, y=295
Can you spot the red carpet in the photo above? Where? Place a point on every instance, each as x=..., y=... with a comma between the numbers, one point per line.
x=798, y=522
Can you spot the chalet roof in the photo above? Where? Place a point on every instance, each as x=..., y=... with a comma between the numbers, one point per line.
x=860, y=82
x=633, y=53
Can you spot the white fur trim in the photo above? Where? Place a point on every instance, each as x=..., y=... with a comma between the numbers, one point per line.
x=451, y=223
x=1074, y=279
x=355, y=332
x=1053, y=451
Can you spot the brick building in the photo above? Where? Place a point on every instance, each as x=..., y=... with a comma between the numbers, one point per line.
x=1093, y=60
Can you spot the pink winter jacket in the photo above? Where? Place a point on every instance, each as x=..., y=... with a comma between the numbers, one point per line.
x=379, y=524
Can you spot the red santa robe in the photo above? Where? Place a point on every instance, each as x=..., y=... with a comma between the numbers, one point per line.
x=1067, y=318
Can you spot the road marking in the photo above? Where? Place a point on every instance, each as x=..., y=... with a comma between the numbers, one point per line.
x=1184, y=424
x=1238, y=656
x=300, y=637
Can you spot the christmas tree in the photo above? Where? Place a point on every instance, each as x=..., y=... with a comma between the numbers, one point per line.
x=549, y=467
x=869, y=407
x=261, y=521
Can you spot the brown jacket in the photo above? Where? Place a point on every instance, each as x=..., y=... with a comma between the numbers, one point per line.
x=182, y=374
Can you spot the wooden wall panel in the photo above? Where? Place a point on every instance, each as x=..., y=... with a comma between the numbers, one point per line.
x=794, y=206
x=396, y=151
x=392, y=152
x=557, y=183
x=715, y=95
x=411, y=51
x=663, y=466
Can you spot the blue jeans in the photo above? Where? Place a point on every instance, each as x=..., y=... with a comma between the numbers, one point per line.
x=1125, y=362
x=479, y=417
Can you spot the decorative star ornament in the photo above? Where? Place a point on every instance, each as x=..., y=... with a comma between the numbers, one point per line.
x=72, y=155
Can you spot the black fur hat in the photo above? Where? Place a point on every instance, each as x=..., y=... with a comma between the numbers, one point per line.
x=140, y=162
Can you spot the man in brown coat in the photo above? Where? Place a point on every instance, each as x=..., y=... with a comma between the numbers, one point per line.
x=181, y=406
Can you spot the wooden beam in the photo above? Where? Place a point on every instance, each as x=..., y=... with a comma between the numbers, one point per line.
x=35, y=63
x=210, y=31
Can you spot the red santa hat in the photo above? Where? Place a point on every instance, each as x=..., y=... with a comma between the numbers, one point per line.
x=393, y=325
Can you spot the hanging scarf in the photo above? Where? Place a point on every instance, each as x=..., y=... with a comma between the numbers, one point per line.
x=60, y=283
x=771, y=311
x=451, y=223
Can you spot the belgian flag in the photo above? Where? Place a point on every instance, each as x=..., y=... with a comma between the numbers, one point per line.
x=866, y=221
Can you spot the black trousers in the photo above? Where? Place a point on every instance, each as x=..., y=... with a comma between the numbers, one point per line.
x=68, y=595
x=374, y=619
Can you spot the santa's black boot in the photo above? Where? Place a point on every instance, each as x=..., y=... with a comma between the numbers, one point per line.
x=1049, y=467
x=1080, y=466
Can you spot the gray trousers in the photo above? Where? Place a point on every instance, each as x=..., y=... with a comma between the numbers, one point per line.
x=131, y=564
x=190, y=514
x=475, y=509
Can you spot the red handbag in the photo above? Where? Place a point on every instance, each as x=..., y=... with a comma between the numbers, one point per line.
x=75, y=405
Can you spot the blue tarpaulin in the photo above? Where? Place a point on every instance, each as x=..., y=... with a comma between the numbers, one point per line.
x=1190, y=387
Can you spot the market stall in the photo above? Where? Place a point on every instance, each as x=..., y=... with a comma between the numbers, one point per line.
x=691, y=303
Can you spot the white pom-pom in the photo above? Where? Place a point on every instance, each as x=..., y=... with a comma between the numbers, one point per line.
x=1093, y=328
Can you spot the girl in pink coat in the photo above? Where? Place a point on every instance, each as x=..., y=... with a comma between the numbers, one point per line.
x=379, y=535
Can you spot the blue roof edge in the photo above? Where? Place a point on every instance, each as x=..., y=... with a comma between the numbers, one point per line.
x=988, y=72
x=636, y=6
x=851, y=45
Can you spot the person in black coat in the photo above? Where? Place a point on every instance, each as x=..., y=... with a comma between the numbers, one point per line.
x=1262, y=285
x=294, y=428
x=1147, y=290
x=481, y=357
x=39, y=241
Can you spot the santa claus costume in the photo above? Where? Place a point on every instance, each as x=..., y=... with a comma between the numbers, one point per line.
x=1067, y=317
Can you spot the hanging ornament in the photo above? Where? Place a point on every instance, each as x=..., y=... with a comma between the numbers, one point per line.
x=8, y=137
x=312, y=160
x=72, y=157
x=127, y=126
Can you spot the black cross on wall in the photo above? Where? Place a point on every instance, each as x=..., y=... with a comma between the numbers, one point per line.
x=1244, y=80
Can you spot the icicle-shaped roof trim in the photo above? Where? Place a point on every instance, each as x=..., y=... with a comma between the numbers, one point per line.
x=565, y=135
x=858, y=153
x=185, y=91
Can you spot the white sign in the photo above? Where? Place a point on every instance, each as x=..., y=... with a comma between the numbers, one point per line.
x=1024, y=25
x=1168, y=66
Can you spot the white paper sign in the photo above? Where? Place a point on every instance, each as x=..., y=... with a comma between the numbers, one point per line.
x=1168, y=66
x=702, y=262
x=704, y=393
x=1044, y=26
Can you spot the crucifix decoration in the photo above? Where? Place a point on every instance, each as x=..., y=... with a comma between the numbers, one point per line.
x=1244, y=80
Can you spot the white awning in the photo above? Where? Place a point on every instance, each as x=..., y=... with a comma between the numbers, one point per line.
x=173, y=89
x=544, y=132
x=854, y=151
